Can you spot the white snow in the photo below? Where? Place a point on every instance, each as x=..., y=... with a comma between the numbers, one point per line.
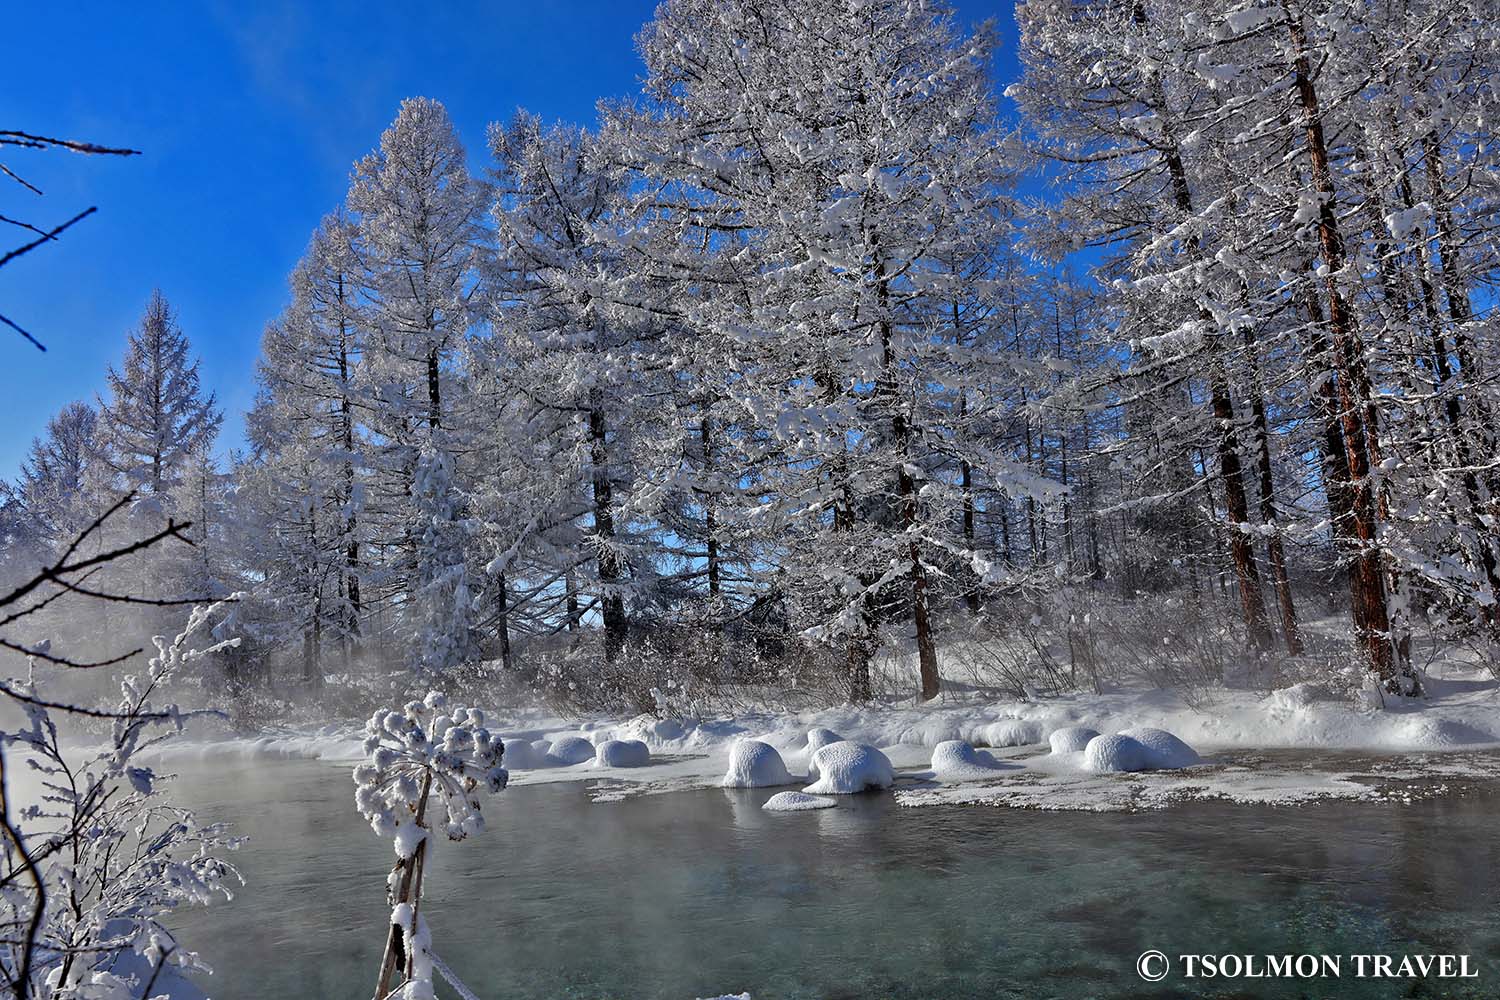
x=797, y=802
x=1011, y=733
x=522, y=755
x=753, y=764
x=409, y=837
x=1071, y=739
x=571, y=750
x=1106, y=754
x=622, y=753
x=955, y=760
x=1163, y=750
x=1460, y=713
x=846, y=767
x=817, y=739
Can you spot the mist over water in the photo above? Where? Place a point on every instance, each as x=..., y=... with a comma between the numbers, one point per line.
x=689, y=894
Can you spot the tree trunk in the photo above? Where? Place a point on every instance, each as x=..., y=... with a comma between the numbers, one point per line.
x=1227, y=449
x=1366, y=573
x=434, y=393
x=502, y=624
x=907, y=486
x=1275, y=550
x=710, y=513
x=613, y=602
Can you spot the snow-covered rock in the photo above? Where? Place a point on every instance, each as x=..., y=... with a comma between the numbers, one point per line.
x=955, y=760
x=1011, y=733
x=622, y=753
x=846, y=767
x=1105, y=754
x=1071, y=739
x=797, y=802
x=522, y=755
x=753, y=764
x=571, y=750
x=1163, y=750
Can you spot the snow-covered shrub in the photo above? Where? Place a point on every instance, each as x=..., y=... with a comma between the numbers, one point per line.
x=797, y=802
x=753, y=764
x=1106, y=754
x=429, y=748
x=1164, y=751
x=1071, y=739
x=571, y=750
x=428, y=751
x=845, y=768
x=109, y=860
x=622, y=753
x=955, y=760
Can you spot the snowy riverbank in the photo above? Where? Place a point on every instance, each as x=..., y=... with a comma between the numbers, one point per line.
x=1291, y=745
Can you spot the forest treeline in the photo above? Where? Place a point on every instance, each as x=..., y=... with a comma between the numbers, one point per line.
x=821, y=346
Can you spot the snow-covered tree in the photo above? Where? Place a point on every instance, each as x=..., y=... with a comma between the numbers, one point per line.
x=58, y=485
x=855, y=153
x=418, y=215
x=156, y=415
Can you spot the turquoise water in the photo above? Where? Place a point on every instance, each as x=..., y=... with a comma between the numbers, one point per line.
x=689, y=894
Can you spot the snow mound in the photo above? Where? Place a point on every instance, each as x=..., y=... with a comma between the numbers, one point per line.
x=753, y=764
x=522, y=755
x=1011, y=734
x=622, y=753
x=817, y=739
x=797, y=802
x=1071, y=739
x=571, y=750
x=1164, y=752
x=955, y=760
x=1421, y=732
x=846, y=767
x=1105, y=754
x=1298, y=696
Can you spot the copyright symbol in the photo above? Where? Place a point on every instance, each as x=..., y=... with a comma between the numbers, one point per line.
x=1152, y=966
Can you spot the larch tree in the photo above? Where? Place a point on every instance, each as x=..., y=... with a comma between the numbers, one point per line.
x=156, y=415
x=418, y=215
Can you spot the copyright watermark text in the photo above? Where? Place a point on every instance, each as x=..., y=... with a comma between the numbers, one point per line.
x=1154, y=966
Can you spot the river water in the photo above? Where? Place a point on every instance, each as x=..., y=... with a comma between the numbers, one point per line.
x=690, y=894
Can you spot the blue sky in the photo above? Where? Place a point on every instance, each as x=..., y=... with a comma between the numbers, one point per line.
x=250, y=116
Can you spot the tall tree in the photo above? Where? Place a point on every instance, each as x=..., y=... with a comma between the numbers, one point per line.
x=156, y=415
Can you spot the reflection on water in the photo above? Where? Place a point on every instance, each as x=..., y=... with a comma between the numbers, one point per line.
x=689, y=894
